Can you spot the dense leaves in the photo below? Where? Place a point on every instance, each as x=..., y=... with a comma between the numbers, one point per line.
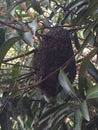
x=22, y=105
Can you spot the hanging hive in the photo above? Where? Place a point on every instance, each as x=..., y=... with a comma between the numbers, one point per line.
x=54, y=50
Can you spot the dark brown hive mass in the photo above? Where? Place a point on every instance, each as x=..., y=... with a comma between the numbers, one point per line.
x=54, y=50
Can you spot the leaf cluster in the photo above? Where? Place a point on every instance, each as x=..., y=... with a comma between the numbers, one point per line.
x=22, y=106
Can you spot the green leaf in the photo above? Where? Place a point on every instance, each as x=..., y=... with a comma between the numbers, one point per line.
x=92, y=3
x=84, y=110
x=89, y=36
x=65, y=83
x=82, y=72
x=15, y=74
x=90, y=12
x=75, y=4
x=60, y=115
x=93, y=71
x=77, y=120
x=4, y=119
x=6, y=46
x=32, y=112
x=45, y=3
x=33, y=25
x=15, y=70
x=20, y=122
x=34, y=109
x=27, y=37
x=46, y=125
x=77, y=44
x=92, y=92
x=36, y=6
x=85, y=43
x=12, y=13
x=2, y=36
x=8, y=3
x=52, y=117
x=52, y=110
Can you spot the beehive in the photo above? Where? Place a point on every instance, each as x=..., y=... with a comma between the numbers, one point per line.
x=54, y=50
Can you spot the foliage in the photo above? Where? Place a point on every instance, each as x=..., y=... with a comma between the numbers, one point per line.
x=22, y=106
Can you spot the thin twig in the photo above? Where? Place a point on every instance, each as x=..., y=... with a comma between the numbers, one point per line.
x=42, y=80
x=6, y=24
x=16, y=57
